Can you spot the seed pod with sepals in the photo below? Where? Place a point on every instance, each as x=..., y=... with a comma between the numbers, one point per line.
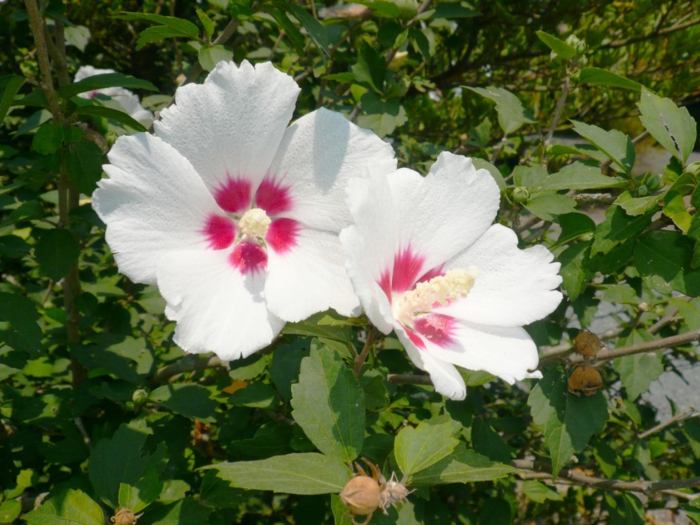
x=587, y=344
x=585, y=380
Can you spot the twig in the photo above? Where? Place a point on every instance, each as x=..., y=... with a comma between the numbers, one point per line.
x=575, y=476
x=660, y=32
x=188, y=363
x=607, y=354
x=362, y=356
x=409, y=379
x=36, y=23
x=665, y=320
x=558, y=109
x=681, y=416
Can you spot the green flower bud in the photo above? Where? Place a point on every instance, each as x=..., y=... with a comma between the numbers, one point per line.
x=521, y=194
x=139, y=396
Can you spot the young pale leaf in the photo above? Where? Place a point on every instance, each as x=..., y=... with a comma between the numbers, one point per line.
x=10, y=510
x=56, y=252
x=209, y=56
x=308, y=473
x=105, y=80
x=207, y=23
x=10, y=85
x=602, y=77
x=671, y=126
x=557, y=45
x=511, y=113
x=418, y=448
x=614, y=144
x=328, y=403
x=462, y=466
x=72, y=507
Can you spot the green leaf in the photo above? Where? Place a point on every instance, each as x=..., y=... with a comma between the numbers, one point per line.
x=48, y=138
x=22, y=331
x=168, y=26
x=141, y=494
x=568, y=421
x=596, y=76
x=539, y=492
x=663, y=253
x=418, y=448
x=675, y=209
x=549, y=205
x=370, y=68
x=185, y=512
x=309, y=473
x=189, y=400
x=671, y=126
x=117, y=460
x=77, y=36
x=635, y=206
x=614, y=144
x=110, y=114
x=638, y=371
x=511, y=113
x=56, y=251
x=529, y=176
x=207, y=23
x=10, y=86
x=105, y=80
x=482, y=164
x=383, y=117
x=209, y=56
x=579, y=176
x=462, y=466
x=84, y=165
x=574, y=225
x=574, y=272
x=10, y=510
x=328, y=403
x=617, y=227
x=557, y=45
x=72, y=507
x=317, y=31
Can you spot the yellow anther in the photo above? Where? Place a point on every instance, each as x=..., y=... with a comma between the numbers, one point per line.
x=254, y=223
x=438, y=291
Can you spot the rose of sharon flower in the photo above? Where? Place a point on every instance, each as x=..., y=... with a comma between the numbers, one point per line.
x=427, y=263
x=234, y=215
x=123, y=99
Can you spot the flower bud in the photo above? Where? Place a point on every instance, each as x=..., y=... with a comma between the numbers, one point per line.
x=139, y=396
x=585, y=380
x=124, y=517
x=520, y=194
x=587, y=344
x=361, y=495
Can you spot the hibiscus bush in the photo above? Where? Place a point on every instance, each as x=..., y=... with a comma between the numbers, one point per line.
x=378, y=262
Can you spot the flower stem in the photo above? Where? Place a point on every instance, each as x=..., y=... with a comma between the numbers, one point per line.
x=362, y=356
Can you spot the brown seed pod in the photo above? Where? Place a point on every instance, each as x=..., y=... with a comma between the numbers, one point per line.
x=585, y=380
x=587, y=344
x=361, y=495
x=124, y=517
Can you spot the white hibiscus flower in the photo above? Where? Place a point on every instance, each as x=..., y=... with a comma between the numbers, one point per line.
x=427, y=263
x=233, y=214
x=122, y=99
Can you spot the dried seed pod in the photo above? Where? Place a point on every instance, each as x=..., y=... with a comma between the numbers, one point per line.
x=393, y=492
x=124, y=517
x=361, y=495
x=587, y=344
x=585, y=380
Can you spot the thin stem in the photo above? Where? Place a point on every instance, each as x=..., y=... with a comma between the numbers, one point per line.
x=681, y=416
x=362, y=356
x=558, y=109
x=189, y=363
x=409, y=379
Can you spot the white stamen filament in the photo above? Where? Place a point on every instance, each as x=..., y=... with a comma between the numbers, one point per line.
x=438, y=291
x=254, y=223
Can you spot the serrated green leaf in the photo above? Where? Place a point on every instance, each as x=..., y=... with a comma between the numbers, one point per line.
x=579, y=176
x=317, y=31
x=557, y=45
x=602, y=77
x=462, y=466
x=614, y=144
x=328, y=403
x=22, y=331
x=10, y=86
x=72, y=507
x=617, y=228
x=418, y=448
x=664, y=253
x=511, y=113
x=84, y=165
x=57, y=251
x=574, y=272
x=671, y=126
x=111, y=114
x=675, y=209
x=635, y=206
x=141, y=494
x=189, y=400
x=207, y=23
x=539, y=492
x=638, y=371
x=307, y=473
x=548, y=206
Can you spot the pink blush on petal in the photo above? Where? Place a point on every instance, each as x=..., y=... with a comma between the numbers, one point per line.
x=282, y=235
x=248, y=257
x=273, y=197
x=233, y=195
x=415, y=338
x=219, y=231
x=436, y=328
x=407, y=267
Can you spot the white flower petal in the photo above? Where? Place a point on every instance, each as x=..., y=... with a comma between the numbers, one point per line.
x=309, y=277
x=233, y=123
x=513, y=287
x=153, y=202
x=444, y=376
x=215, y=307
x=506, y=352
x=319, y=153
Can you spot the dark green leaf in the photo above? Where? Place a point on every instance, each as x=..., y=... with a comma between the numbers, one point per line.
x=617, y=227
x=111, y=114
x=72, y=507
x=9, y=85
x=602, y=77
x=84, y=165
x=22, y=331
x=189, y=400
x=314, y=28
x=105, y=80
x=557, y=45
x=57, y=251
